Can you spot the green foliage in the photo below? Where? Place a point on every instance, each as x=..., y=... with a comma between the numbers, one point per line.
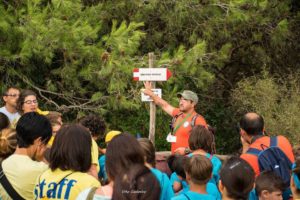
x=80, y=55
x=276, y=99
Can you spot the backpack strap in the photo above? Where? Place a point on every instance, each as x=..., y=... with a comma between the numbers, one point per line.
x=194, y=120
x=8, y=187
x=91, y=193
x=209, y=156
x=273, y=141
x=253, y=151
x=186, y=196
x=174, y=120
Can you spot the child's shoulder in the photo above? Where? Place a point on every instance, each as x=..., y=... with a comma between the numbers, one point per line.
x=194, y=196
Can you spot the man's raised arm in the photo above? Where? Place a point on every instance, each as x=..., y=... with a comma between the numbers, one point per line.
x=157, y=100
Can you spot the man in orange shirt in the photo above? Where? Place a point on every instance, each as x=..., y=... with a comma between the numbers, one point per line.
x=183, y=116
x=252, y=136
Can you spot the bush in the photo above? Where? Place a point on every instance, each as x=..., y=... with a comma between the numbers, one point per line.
x=277, y=99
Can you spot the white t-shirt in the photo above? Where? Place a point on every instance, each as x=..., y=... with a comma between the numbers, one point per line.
x=13, y=117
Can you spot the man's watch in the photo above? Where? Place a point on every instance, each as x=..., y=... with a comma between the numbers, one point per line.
x=187, y=150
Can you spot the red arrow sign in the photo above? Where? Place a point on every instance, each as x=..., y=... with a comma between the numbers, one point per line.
x=151, y=74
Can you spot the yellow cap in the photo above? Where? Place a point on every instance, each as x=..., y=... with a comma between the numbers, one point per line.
x=110, y=135
x=46, y=112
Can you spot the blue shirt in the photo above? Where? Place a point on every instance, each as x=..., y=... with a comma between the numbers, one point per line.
x=102, y=172
x=216, y=164
x=174, y=178
x=211, y=188
x=193, y=196
x=166, y=188
x=253, y=195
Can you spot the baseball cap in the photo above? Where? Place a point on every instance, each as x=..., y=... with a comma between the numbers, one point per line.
x=110, y=135
x=188, y=95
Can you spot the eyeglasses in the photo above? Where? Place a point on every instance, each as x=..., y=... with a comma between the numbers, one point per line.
x=12, y=95
x=31, y=102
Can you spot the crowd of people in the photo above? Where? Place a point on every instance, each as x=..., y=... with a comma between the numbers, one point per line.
x=43, y=158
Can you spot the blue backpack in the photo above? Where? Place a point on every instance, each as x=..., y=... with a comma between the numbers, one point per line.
x=272, y=158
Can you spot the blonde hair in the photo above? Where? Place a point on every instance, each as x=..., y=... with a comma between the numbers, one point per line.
x=8, y=142
x=53, y=117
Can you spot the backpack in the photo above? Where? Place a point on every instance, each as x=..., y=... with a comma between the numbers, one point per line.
x=179, y=114
x=210, y=128
x=272, y=158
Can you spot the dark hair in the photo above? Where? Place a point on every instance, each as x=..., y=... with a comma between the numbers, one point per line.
x=21, y=99
x=176, y=164
x=199, y=168
x=9, y=88
x=95, y=124
x=71, y=149
x=4, y=121
x=32, y=126
x=270, y=181
x=252, y=123
x=122, y=152
x=201, y=138
x=136, y=184
x=148, y=150
x=238, y=177
x=8, y=142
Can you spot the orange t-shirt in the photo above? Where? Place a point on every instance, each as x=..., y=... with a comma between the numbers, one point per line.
x=282, y=143
x=183, y=132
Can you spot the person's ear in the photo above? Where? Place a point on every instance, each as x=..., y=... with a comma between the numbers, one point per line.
x=264, y=194
x=194, y=104
x=4, y=98
x=187, y=177
x=221, y=186
x=38, y=141
x=243, y=132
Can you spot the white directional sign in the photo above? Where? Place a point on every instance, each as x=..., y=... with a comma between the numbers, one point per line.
x=156, y=91
x=151, y=74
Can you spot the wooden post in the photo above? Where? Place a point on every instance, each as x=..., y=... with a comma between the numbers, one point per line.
x=152, y=106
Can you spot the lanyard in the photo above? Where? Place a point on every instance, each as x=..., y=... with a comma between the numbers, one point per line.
x=177, y=127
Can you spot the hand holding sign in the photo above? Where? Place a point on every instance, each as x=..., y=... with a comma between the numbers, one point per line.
x=148, y=88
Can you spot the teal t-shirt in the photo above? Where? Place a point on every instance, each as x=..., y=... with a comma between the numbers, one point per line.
x=211, y=188
x=216, y=163
x=165, y=184
x=174, y=178
x=102, y=172
x=194, y=196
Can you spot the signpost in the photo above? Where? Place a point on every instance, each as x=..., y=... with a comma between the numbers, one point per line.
x=151, y=74
x=146, y=98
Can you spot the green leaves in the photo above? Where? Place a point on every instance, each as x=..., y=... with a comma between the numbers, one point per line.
x=281, y=32
x=124, y=39
x=81, y=54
